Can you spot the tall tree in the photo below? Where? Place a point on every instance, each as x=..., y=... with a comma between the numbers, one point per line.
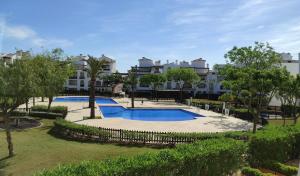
x=95, y=68
x=51, y=75
x=289, y=94
x=182, y=76
x=131, y=82
x=16, y=87
x=154, y=80
x=57, y=54
x=253, y=75
x=113, y=80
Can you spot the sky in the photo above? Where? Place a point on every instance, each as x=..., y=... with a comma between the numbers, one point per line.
x=157, y=29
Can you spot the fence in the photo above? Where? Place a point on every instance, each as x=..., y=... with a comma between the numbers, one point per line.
x=85, y=133
x=124, y=136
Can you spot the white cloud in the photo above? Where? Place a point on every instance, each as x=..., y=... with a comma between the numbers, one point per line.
x=22, y=33
x=286, y=37
x=18, y=32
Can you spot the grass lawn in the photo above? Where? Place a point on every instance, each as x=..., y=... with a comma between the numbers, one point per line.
x=281, y=121
x=35, y=150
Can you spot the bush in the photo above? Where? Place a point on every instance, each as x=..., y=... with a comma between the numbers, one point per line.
x=210, y=158
x=64, y=128
x=281, y=168
x=54, y=109
x=242, y=113
x=45, y=115
x=274, y=143
x=288, y=110
x=18, y=113
x=248, y=171
x=213, y=104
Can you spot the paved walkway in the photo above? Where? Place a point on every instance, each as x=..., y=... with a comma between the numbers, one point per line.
x=212, y=122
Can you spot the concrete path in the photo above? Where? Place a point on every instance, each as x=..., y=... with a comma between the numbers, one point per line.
x=212, y=122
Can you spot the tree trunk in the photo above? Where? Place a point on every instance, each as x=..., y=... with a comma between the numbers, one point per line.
x=49, y=103
x=33, y=101
x=255, y=119
x=156, y=95
x=132, y=96
x=92, y=98
x=8, y=136
x=295, y=113
x=27, y=101
x=43, y=99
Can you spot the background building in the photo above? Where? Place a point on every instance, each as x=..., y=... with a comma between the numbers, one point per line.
x=210, y=84
x=9, y=58
x=293, y=66
x=81, y=81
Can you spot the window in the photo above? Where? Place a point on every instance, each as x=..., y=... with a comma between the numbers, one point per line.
x=72, y=82
x=106, y=67
x=81, y=75
x=82, y=83
x=169, y=85
x=201, y=85
x=144, y=85
x=98, y=83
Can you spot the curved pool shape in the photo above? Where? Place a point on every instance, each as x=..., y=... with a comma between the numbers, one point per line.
x=85, y=99
x=148, y=114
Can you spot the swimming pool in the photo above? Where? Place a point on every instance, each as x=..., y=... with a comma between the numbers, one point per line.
x=148, y=114
x=85, y=99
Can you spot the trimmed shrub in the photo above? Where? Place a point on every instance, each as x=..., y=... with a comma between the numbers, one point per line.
x=19, y=113
x=281, y=168
x=210, y=158
x=213, y=104
x=65, y=128
x=54, y=109
x=242, y=113
x=274, y=143
x=248, y=171
x=288, y=110
x=46, y=115
x=70, y=130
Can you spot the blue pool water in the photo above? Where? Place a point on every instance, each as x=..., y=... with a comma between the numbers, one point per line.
x=85, y=99
x=148, y=114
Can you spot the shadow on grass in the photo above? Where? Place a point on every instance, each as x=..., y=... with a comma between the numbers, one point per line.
x=3, y=164
x=24, y=123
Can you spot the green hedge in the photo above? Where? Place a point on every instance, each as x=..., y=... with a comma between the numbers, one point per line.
x=54, y=109
x=61, y=125
x=288, y=110
x=248, y=171
x=19, y=113
x=281, y=168
x=274, y=143
x=210, y=158
x=46, y=115
x=213, y=104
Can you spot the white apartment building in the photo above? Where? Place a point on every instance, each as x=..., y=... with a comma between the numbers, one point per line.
x=9, y=58
x=80, y=81
x=293, y=66
x=211, y=82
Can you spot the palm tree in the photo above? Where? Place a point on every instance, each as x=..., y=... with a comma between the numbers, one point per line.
x=131, y=81
x=95, y=68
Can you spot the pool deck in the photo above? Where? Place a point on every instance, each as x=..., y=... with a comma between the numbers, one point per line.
x=212, y=122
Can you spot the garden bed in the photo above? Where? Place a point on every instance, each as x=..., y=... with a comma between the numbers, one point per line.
x=24, y=123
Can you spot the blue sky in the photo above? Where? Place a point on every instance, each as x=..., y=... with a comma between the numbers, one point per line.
x=159, y=29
